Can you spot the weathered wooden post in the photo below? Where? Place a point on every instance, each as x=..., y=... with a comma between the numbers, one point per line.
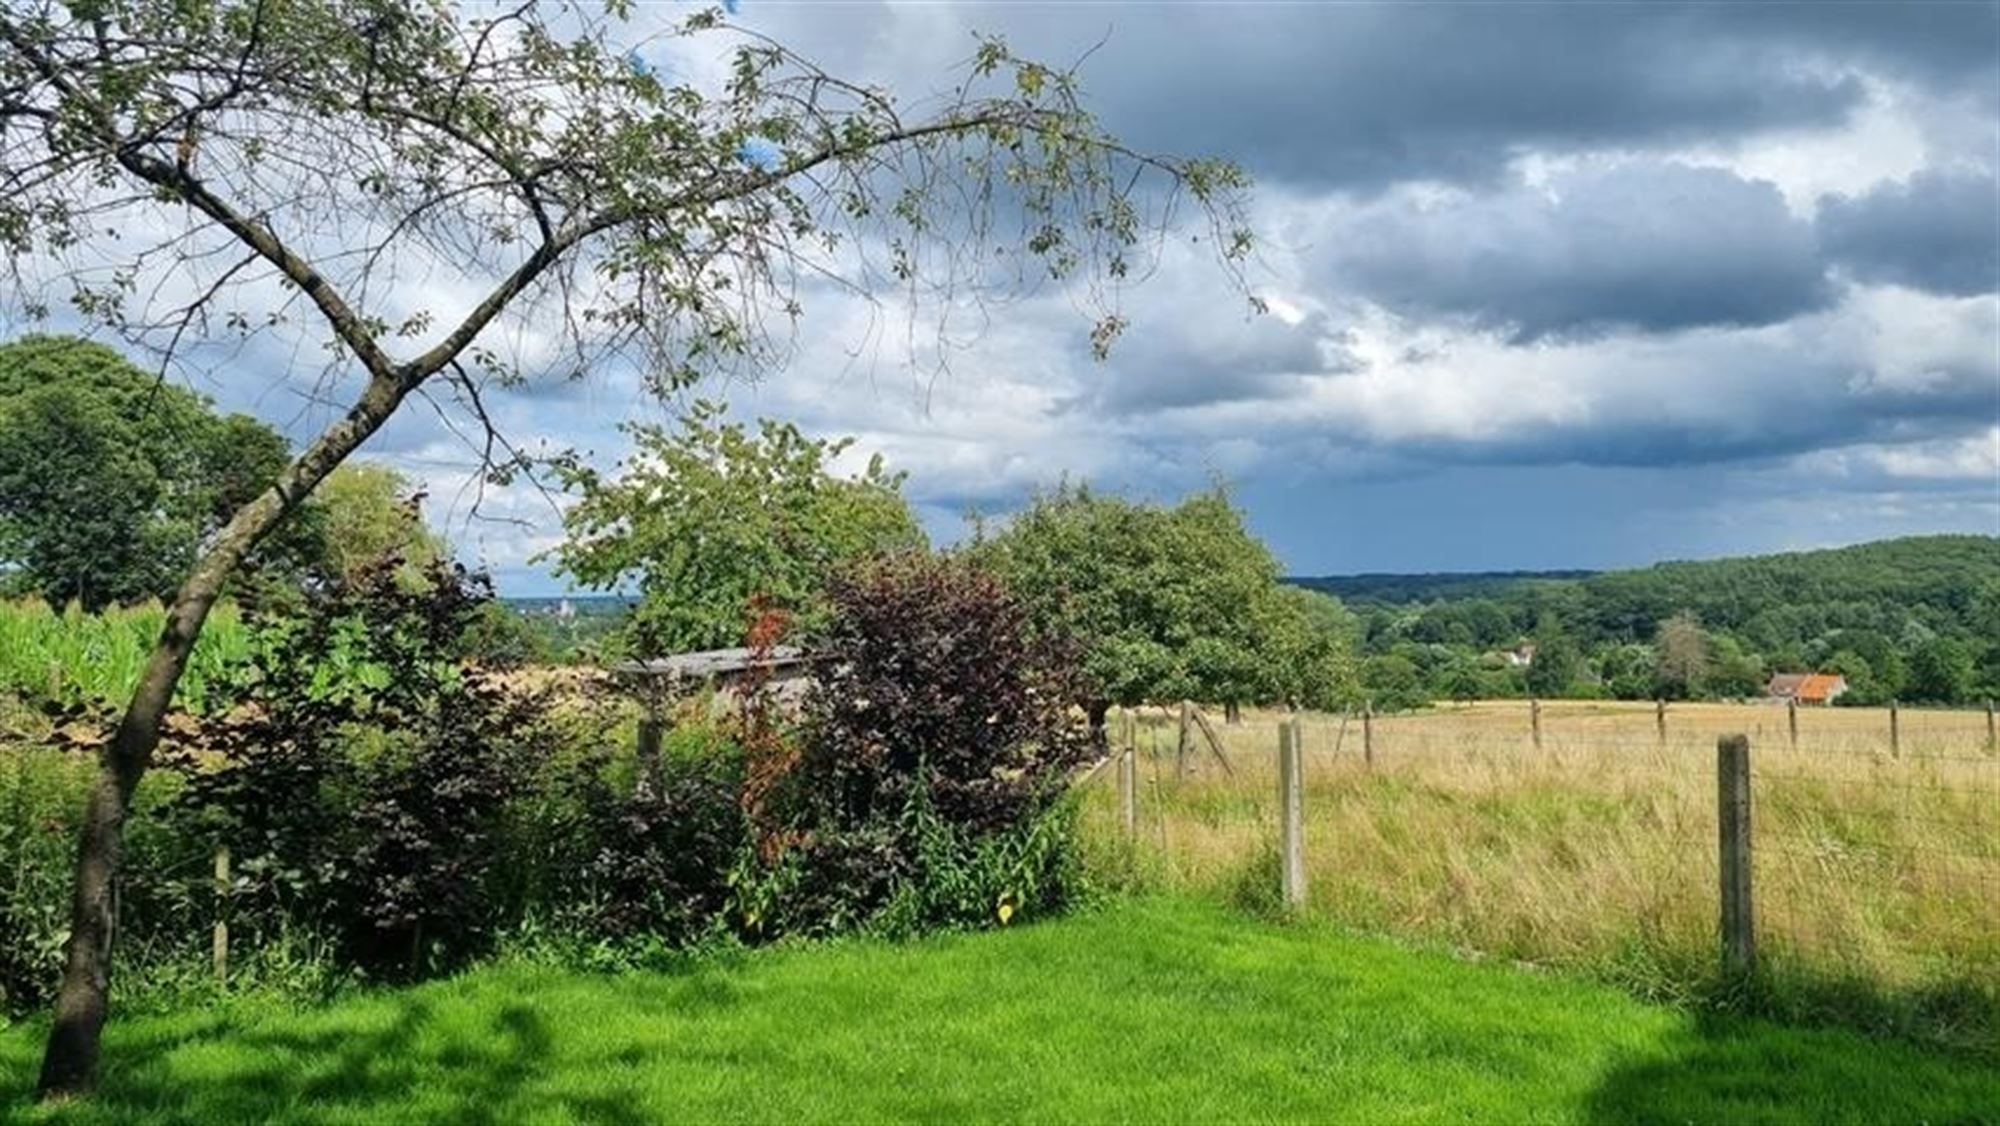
x=1660, y=720
x=1732, y=776
x=1187, y=734
x=220, y=942
x=1992, y=732
x=651, y=731
x=1792, y=721
x=1368, y=734
x=1895, y=730
x=1535, y=721
x=1291, y=807
x=1128, y=786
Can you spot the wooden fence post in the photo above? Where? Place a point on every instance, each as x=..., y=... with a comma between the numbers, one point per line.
x=1291, y=814
x=1732, y=776
x=1895, y=730
x=1660, y=720
x=1128, y=791
x=220, y=945
x=1368, y=734
x=1792, y=721
x=651, y=731
x=1992, y=732
x=1535, y=721
x=1187, y=734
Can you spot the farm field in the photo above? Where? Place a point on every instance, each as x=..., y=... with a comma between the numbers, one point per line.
x=1159, y=1010
x=1877, y=875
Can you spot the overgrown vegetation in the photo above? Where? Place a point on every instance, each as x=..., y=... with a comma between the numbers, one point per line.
x=67, y=656
x=394, y=808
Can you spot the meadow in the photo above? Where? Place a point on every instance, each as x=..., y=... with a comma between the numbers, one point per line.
x=1877, y=875
x=1143, y=1011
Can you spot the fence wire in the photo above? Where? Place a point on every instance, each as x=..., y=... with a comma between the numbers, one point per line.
x=1594, y=840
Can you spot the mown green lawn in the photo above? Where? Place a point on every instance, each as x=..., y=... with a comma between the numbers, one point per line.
x=1145, y=1012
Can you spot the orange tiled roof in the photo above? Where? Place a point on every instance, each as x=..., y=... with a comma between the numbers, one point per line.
x=1819, y=686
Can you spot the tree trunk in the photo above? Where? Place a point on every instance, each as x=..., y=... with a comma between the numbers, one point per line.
x=69, y=1065
x=1095, y=711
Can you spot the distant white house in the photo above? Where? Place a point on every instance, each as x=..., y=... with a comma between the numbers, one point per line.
x=1520, y=656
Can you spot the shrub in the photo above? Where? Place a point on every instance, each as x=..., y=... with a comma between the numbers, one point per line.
x=936, y=747
x=654, y=861
x=367, y=784
x=38, y=801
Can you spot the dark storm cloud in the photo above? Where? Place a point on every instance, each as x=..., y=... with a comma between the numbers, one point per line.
x=1364, y=95
x=1939, y=232
x=1651, y=247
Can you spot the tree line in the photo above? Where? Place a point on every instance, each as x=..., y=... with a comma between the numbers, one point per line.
x=1914, y=619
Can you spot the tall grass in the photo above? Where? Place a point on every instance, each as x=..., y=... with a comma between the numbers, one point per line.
x=1877, y=875
x=68, y=655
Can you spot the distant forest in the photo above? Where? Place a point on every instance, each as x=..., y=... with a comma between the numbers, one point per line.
x=1914, y=619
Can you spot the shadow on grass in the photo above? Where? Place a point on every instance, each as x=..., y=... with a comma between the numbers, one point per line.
x=1744, y=1070
x=405, y=1064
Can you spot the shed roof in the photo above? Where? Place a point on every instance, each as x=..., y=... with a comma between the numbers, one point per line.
x=706, y=663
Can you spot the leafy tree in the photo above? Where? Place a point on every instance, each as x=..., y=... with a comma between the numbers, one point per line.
x=1626, y=671
x=1392, y=682
x=369, y=512
x=1169, y=603
x=1308, y=649
x=1732, y=672
x=709, y=516
x=1941, y=672
x=111, y=479
x=529, y=159
x=1557, y=659
x=1681, y=657
x=76, y=501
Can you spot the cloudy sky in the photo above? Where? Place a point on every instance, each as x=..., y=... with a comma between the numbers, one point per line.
x=1550, y=285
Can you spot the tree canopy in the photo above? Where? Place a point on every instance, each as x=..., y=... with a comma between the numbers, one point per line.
x=1916, y=618
x=710, y=522
x=1170, y=602
x=370, y=511
x=112, y=479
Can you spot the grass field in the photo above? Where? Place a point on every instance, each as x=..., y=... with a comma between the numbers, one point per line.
x=1877, y=875
x=1153, y=1011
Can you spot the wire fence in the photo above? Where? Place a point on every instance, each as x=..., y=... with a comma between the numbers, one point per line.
x=1589, y=834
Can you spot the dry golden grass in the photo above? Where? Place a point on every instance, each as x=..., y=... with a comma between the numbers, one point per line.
x=1875, y=875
